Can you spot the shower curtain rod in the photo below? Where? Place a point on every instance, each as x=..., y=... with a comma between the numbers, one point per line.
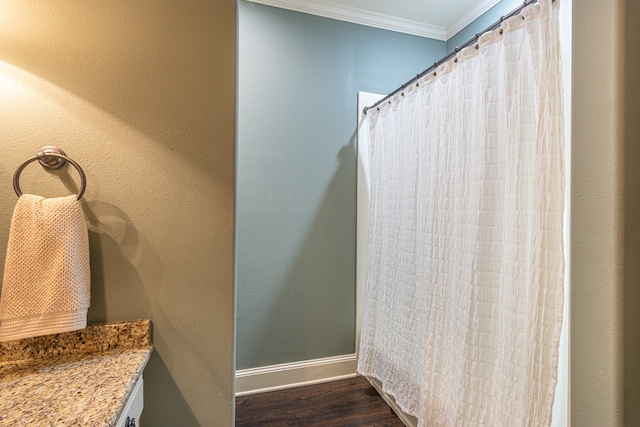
x=453, y=53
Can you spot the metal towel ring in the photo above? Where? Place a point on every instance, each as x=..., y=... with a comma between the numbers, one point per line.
x=52, y=158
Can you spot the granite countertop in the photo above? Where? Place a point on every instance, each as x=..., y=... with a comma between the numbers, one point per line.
x=76, y=378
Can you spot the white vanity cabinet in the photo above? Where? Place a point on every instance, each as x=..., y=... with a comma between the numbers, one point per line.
x=130, y=416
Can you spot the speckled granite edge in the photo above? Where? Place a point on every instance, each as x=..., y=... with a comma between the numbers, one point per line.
x=92, y=339
x=81, y=389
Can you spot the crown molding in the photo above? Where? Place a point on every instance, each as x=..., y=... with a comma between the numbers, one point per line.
x=360, y=16
x=469, y=16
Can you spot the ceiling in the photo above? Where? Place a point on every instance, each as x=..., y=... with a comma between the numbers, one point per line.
x=438, y=19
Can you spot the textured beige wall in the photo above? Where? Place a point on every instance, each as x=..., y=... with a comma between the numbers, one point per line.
x=631, y=202
x=605, y=310
x=142, y=95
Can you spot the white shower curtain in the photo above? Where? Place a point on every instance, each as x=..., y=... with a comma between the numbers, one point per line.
x=464, y=284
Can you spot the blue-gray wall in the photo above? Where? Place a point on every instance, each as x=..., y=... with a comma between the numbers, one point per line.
x=481, y=23
x=296, y=176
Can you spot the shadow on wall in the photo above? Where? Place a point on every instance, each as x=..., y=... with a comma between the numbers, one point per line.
x=162, y=390
x=312, y=315
x=114, y=242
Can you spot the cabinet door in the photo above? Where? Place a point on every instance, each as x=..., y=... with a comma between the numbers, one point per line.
x=131, y=415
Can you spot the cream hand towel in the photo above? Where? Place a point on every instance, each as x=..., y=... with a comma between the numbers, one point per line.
x=46, y=285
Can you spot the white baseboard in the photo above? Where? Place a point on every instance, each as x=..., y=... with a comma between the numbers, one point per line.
x=296, y=374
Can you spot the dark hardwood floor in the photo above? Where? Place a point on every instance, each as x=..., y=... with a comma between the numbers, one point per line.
x=345, y=403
